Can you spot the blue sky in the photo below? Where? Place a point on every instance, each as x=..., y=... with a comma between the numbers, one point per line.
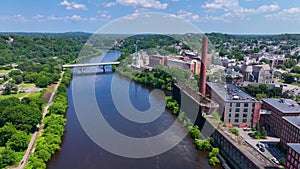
x=225, y=16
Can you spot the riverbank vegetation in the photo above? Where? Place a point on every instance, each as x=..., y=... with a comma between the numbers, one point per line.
x=52, y=127
x=194, y=131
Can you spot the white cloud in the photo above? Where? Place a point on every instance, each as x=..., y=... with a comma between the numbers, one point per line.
x=103, y=15
x=221, y=4
x=67, y=18
x=232, y=9
x=18, y=17
x=188, y=16
x=38, y=17
x=292, y=14
x=268, y=8
x=110, y=4
x=139, y=3
x=93, y=19
x=73, y=5
x=130, y=17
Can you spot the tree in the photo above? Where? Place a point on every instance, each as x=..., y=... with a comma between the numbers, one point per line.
x=18, y=79
x=43, y=81
x=295, y=69
x=18, y=141
x=44, y=155
x=6, y=132
x=7, y=90
x=7, y=157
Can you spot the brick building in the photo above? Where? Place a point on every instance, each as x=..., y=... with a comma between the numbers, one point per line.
x=290, y=132
x=236, y=107
x=293, y=157
x=274, y=109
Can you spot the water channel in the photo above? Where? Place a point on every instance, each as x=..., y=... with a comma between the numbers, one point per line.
x=78, y=151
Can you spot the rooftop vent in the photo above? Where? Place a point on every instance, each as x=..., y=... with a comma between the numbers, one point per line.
x=235, y=97
x=281, y=100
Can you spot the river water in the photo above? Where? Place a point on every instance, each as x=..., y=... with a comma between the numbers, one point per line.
x=78, y=151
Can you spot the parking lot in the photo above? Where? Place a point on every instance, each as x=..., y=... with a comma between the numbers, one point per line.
x=269, y=145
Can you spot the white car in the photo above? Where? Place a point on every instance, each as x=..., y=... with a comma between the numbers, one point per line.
x=274, y=160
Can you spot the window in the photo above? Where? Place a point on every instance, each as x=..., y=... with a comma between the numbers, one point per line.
x=230, y=104
x=245, y=104
x=238, y=105
x=229, y=120
x=236, y=120
x=230, y=110
x=245, y=110
x=237, y=110
x=237, y=115
x=229, y=115
x=244, y=120
x=244, y=115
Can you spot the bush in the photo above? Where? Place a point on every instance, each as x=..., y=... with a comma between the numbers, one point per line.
x=203, y=145
x=213, y=161
x=234, y=130
x=194, y=131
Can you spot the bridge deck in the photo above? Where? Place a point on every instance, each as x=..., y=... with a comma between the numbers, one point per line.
x=91, y=64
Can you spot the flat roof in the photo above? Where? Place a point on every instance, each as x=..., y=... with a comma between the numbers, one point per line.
x=295, y=147
x=295, y=120
x=230, y=92
x=283, y=105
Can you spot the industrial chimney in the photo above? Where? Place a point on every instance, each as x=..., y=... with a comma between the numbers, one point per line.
x=202, y=83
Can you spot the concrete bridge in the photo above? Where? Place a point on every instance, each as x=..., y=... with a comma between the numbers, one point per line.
x=103, y=64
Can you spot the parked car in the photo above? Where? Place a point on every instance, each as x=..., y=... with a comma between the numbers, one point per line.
x=251, y=135
x=274, y=160
x=260, y=145
x=262, y=149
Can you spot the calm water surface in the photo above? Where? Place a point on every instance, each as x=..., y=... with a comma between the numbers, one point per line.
x=79, y=152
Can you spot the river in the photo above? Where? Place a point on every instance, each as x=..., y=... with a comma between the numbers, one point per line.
x=78, y=151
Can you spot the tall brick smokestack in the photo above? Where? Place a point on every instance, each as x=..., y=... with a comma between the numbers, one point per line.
x=202, y=83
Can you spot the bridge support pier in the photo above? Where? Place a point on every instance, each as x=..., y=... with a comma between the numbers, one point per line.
x=104, y=69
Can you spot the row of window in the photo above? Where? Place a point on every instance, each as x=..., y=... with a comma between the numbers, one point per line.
x=238, y=110
x=238, y=121
x=238, y=115
x=240, y=104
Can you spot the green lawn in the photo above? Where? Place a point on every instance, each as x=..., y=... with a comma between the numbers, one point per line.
x=296, y=84
x=4, y=71
x=27, y=85
x=20, y=95
x=282, y=81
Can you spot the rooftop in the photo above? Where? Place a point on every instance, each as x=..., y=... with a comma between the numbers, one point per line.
x=295, y=146
x=230, y=92
x=295, y=120
x=283, y=105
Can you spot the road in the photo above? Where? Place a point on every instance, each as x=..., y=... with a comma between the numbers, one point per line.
x=34, y=135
